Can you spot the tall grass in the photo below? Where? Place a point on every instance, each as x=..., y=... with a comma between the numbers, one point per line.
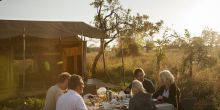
x=204, y=85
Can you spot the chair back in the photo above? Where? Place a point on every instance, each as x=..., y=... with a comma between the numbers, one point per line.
x=90, y=88
x=188, y=103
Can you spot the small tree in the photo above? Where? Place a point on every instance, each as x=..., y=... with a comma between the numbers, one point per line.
x=210, y=37
x=161, y=45
x=116, y=21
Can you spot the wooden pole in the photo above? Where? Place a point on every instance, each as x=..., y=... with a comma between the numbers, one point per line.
x=24, y=58
x=122, y=61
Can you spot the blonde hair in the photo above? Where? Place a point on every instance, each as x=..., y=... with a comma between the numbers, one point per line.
x=137, y=87
x=167, y=77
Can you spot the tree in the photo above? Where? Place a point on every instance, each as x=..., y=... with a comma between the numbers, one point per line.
x=196, y=52
x=161, y=43
x=116, y=21
x=149, y=46
x=210, y=37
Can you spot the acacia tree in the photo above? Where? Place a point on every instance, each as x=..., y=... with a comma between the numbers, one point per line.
x=116, y=21
x=196, y=52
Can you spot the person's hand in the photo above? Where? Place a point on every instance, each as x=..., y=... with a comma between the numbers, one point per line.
x=128, y=90
x=159, y=98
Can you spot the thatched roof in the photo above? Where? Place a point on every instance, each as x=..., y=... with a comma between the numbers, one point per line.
x=48, y=29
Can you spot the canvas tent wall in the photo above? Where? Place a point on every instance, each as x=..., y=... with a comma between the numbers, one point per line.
x=22, y=40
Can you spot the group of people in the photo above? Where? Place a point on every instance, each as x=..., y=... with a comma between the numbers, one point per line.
x=143, y=91
x=65, y=95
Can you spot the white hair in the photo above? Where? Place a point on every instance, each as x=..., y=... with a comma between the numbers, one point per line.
x=137, y=87
x=167, y=77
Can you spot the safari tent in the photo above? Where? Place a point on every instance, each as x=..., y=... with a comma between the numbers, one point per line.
x=34, y=52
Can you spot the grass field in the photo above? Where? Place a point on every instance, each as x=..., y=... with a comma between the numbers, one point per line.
x=204, y=85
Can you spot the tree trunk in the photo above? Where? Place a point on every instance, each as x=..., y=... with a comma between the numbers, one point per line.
x=97, y=57
x=190, y=65
x=101, y=49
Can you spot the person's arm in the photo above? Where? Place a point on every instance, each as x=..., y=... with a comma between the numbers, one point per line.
x=158, y=92
x=57, y=95
x=47, y=103
x=128, y=89
x=81, y=104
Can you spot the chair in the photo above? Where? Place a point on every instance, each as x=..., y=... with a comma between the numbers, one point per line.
x=188, y=103
x=90, y=88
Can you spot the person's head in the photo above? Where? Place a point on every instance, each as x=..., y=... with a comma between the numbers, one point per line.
x=137, y=87
x=63, y=80
x=166, y=78
x=76, y=83
x=139, y=74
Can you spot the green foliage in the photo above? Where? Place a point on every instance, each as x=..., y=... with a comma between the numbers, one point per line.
x=129, y=46
x=161, y=44
x=29, y=103
x=118, y=22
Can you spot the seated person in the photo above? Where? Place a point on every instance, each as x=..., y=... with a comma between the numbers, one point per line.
x=56, y=91
x=139, y=75
x=168, y=92
x=72, y=99
x=141, y=100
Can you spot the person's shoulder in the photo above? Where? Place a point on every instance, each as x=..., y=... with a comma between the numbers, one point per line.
x=147, y=80
x=174, y=86
x=74, y=95
x=55, y=88
x=52, y=88
x=146, y=95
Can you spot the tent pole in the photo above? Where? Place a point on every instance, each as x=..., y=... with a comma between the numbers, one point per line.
x=24, y=58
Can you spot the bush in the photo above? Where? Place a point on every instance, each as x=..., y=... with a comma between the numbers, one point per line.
x=28, y=103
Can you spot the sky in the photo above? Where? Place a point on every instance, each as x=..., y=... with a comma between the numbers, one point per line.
x=194, y=15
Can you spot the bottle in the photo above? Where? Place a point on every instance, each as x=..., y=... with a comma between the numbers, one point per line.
x=109, y=95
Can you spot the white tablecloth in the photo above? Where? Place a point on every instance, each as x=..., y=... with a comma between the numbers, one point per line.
x=164, y=106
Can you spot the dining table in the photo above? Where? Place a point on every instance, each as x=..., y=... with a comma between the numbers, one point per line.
x=124, y=105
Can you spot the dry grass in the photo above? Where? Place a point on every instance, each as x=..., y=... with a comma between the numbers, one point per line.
x=204, y=84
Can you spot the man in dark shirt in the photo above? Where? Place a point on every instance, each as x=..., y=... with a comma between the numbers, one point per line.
x=139, y=75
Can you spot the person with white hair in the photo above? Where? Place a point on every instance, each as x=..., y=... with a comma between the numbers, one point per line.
x=141, y=100
x=168, y=91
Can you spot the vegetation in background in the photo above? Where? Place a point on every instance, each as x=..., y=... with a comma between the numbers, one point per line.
x=189, y=58
x=117, y=22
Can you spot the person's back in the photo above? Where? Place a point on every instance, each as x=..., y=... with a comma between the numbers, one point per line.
x=53, y=94
x=56, y=91
x=70, y=100
x=141, y=101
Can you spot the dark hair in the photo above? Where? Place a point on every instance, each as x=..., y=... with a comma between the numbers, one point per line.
x=63, y=76
x=138, y=70
x=74, y=81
